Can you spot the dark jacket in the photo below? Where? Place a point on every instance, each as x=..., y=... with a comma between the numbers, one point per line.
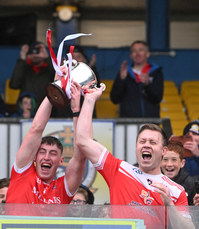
x=26, y=79
x=135, y=99
x=192, y=165
x=183, y=178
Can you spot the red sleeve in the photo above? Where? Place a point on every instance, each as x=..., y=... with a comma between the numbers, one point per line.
x=108, y=166
x=26, y=171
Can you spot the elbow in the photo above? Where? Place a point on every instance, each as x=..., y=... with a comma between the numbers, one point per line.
x=37, y=127
x=81, y=141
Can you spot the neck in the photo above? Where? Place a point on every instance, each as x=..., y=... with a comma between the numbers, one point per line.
x=38, y=64
x=156, y=171
x=139, y=67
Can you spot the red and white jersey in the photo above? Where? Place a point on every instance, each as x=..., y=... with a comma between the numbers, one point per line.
x=27, y=187
x=130, y=186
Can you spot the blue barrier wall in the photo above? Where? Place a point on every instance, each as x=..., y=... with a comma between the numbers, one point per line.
x=183, y=66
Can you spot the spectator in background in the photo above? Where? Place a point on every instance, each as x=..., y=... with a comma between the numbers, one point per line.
x=26, y=105
x=79, y=54
x=33, y=71
x=83, y=196
x=138, y=87
x=79, y=204
x=172, y=166
x=192, y=163
x=4, y=184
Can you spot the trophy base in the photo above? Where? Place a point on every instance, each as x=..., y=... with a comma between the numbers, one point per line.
x=56, y=96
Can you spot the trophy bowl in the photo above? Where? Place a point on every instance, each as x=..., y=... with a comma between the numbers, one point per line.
x=80, y=73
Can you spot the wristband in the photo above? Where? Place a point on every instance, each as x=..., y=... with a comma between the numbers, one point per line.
x=76, y=114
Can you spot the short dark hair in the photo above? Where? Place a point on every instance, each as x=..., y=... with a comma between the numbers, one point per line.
x=155, y=127
x=86, y=192
x=50, y=140
x=4, y=182
x=139, y=42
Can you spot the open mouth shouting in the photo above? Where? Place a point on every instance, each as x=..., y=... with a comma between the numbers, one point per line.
x=146, y=156
x=45, y=166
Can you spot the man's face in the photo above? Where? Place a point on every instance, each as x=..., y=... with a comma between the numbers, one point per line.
x=149, y=151
x=193, y=145
x=47, y=161
x=139, y=53
x=36, y=59
x=171, y=164
x=3, y=193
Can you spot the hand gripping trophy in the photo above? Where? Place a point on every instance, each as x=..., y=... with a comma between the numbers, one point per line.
x=58, y=92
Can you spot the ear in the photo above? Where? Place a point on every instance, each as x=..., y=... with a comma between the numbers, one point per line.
x=61, y=160
x=34, y=161
x=164, y=150
x=182, y=163
x=148, y=54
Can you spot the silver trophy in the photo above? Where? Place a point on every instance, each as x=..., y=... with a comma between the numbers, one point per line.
x=80, y=73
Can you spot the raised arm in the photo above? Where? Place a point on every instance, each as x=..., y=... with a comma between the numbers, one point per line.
x=75, y=168
x=91, y=149
x=32, y=140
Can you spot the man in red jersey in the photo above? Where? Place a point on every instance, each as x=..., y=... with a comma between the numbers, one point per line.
x=129, y=185
x=34, y=183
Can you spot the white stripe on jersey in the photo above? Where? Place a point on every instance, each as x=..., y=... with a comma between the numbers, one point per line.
x=100, y=164
x=144, y=178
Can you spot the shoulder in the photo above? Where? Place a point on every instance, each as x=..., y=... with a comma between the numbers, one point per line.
x=130, y=170
x=60, y=179
x=172, y=185
x=28, y=167
x=155, y=68
x=106, y=158
x=192, y=160
x=130, y=167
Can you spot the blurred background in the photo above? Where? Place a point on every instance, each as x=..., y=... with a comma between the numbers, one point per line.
x=171, y=28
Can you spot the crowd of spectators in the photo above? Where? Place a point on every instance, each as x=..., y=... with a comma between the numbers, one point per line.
x=164, y=172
